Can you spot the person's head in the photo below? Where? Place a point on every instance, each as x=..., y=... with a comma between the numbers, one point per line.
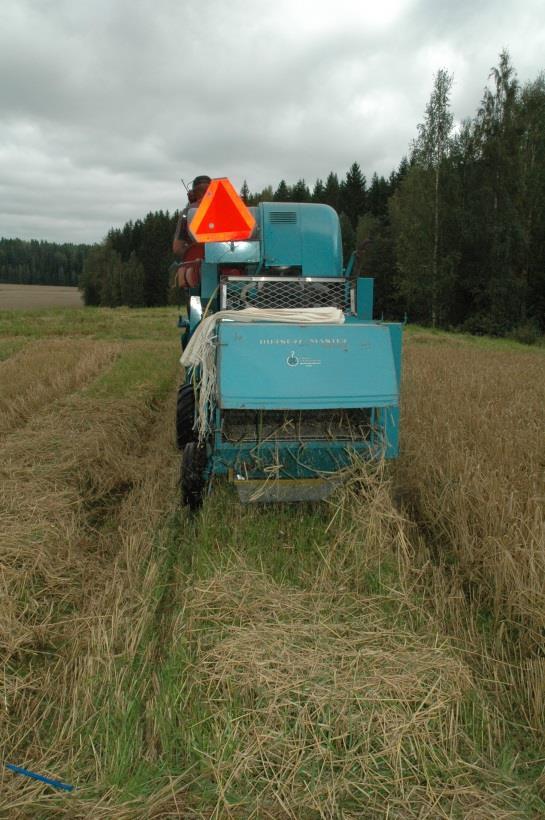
x=198, y=187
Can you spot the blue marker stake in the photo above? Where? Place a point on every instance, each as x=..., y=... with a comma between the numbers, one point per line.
x=55, y=783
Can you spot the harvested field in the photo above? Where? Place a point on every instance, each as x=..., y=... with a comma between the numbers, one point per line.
x=334, y=660
x=32, y=297
x=43, y=371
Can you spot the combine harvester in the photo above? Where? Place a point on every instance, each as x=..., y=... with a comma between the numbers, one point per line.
x=288, y=377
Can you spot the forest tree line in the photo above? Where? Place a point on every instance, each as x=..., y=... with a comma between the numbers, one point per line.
x=131, y=266
x=34, y=262
x=457, y=230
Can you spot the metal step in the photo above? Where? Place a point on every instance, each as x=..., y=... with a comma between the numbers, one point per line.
x=266, y=491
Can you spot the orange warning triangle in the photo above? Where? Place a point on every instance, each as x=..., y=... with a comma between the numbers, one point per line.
x=221, y=216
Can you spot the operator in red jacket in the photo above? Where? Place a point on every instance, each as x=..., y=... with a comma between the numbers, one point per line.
x=189, y=252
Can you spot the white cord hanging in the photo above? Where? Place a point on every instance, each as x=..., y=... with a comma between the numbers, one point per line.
x=201, y=350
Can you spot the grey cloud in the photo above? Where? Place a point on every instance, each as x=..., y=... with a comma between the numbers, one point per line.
x=104, y=106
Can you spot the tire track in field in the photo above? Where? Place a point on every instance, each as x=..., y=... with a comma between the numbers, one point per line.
x=45, y=371
x=64, y=480
x=108, y=646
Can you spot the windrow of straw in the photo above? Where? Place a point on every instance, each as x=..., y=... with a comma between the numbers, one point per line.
x=34, y=377
x=331, y=693
x=474, y=471
x=75, y=482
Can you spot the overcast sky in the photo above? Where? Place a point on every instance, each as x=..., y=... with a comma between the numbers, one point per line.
x=105, y=105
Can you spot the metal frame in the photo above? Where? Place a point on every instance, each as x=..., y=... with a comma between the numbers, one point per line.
x=303, y=459
x=224, y=281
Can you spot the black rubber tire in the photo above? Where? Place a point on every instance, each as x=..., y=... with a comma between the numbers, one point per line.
x=185, y=416
x=192, y=474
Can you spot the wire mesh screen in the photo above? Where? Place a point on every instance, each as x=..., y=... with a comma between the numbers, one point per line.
x=283, y=292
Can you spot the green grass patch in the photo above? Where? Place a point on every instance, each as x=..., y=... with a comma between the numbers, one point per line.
x=154, y=324
x=140, y=367
x=286, y=541
x=416, y=334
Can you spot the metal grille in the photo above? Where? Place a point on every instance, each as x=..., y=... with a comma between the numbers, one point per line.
x=239, y=292
x=283, y=217
x=296, y=425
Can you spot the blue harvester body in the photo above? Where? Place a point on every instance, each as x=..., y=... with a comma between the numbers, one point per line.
x=294, y=403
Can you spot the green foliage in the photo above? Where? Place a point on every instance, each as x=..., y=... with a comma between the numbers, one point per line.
x=377, y=259
x=245, y=193
x=430, y=152
x=412, y=215
x=319, y=191
x=348, y=237
x=100, y=280
x=332, y=191
x=132, y=282
x=457, y=229
x=282, y=193
x=377, y=197
x=131, y=266
x=36, y=262
x=434, y=134
x=469, y=213
x=300, y=192
x=527, y=333
x=265, y=195
x=353, y=194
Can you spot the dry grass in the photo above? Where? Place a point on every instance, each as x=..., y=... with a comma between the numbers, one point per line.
x=81, y=501
x=44, y=371
x=250, y=662
x=268, y=700
x=474, y=470
x=339, y=697
x=336, y=708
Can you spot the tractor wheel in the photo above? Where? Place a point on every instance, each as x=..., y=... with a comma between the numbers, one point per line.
x=185, y=416
x=192, y=476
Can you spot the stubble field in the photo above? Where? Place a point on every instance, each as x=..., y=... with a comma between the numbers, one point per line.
x=24, y=297
x=378, y=656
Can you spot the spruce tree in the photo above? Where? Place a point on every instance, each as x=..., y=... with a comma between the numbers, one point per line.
x=377, y=197
x=300, y=192
x=318, y=193
x=332, y=191
x=282, y=193
x=353, y=194
x=245, y=193
x=531, y=203
x=501, y=224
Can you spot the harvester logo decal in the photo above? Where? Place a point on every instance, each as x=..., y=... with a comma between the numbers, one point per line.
x=292, y=360
x=295, y=361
